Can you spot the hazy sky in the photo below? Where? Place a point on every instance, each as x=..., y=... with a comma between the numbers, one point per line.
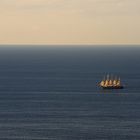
x=70, y=22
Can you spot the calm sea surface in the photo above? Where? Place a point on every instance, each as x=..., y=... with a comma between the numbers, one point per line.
x=52, y=93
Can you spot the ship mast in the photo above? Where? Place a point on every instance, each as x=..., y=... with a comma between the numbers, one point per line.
x=115, y=81
x=102, y=83
x=107, y=80
x=119, y=81
x=111, y=81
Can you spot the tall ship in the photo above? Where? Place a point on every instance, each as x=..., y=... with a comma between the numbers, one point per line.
x=111, y=82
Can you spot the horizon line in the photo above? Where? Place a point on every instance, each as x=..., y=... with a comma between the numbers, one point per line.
x=69, y=44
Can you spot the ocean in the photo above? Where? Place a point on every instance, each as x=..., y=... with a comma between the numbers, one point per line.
x=52, y=93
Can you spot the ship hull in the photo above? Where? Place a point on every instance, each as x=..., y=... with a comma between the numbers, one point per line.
x=113, y=87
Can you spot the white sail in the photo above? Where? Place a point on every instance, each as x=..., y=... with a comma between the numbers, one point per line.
x=115, y=82
x=102, y=83
x=106, y=83
x=110, y=82
x=119, y=82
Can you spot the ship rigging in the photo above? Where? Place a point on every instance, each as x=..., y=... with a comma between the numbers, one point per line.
x=110, y=82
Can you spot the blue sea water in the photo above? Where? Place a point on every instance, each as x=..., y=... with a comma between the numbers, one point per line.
x=52, y=93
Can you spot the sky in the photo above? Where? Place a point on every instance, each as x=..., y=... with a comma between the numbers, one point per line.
x=70, y=22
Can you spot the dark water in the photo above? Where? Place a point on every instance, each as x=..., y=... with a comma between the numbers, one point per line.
x=51, y=93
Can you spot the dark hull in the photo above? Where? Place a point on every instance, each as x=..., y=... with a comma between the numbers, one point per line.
x=113, y=87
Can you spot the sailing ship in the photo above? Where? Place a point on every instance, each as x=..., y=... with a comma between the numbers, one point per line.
x=110, y=82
